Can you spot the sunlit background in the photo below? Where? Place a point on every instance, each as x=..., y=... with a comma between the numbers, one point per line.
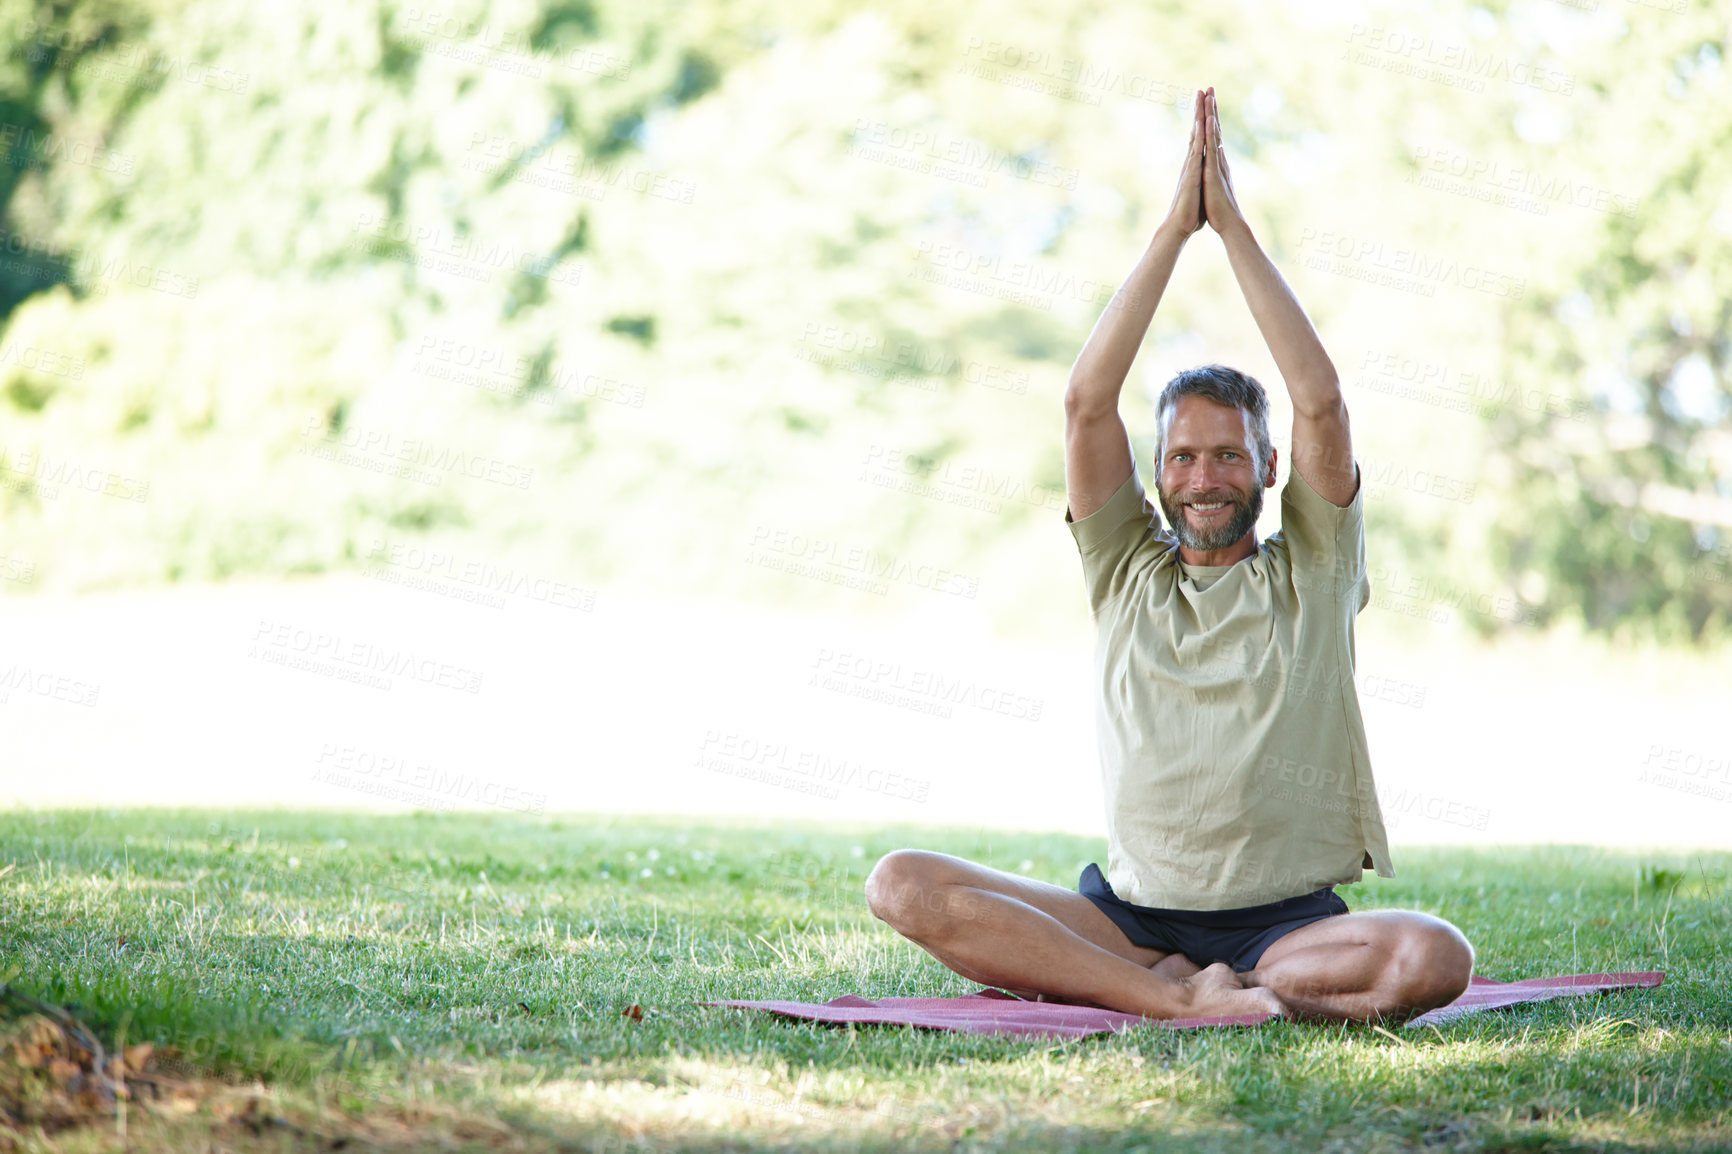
x=630, y=406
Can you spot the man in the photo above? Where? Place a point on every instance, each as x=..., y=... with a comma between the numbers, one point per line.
x=1238, y=785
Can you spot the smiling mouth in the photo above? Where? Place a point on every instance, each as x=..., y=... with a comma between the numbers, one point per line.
x=1206, y=509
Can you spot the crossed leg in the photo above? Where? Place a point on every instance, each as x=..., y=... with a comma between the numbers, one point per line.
x=1379, y=965
x=1035, y=939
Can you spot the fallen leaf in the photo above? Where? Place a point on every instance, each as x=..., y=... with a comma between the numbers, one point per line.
x=634, y=1012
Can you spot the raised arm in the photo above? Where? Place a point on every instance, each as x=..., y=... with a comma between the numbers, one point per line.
x=1322, y=449
x=1097, y=449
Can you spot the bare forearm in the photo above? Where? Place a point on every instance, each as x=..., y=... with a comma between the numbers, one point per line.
x=1298, y=353
x=1105, y=360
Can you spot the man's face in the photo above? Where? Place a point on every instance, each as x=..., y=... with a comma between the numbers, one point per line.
x=1208, y=481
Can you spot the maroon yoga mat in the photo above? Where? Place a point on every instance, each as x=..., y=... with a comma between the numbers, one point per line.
x=996, y=1012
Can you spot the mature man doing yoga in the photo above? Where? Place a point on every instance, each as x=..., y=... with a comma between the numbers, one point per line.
x=1238, y=784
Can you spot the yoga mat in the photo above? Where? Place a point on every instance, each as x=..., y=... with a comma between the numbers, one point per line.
x=996, y=1012
x=1485, y=994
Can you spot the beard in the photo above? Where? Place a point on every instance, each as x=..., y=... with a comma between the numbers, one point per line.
x=1247, y=507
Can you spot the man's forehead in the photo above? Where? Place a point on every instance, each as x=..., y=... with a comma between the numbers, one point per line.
x=1207, y=422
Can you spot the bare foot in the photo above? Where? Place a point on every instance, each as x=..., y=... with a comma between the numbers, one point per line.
x=1217, y=992
x=1176, y=966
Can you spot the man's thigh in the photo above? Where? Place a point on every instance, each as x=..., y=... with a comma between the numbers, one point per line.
x=1385, y=929
x=1071, y=909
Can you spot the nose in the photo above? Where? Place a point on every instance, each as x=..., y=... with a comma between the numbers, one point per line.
x=1206, y=477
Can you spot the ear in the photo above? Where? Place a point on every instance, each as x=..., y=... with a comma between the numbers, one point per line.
x=1269, y=481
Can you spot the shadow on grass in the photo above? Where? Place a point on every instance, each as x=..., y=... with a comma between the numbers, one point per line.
x=401, y=982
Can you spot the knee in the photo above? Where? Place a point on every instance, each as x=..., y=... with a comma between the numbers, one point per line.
x=901, y=889
x=1436, y=963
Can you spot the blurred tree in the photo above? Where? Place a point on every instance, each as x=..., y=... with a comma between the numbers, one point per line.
x=699, y=261
x=1624, y=519
x=45, y=43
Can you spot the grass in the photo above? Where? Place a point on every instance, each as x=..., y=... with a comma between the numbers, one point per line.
x=465, y=981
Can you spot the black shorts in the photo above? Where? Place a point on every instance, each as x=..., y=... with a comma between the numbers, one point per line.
x=1237, y=937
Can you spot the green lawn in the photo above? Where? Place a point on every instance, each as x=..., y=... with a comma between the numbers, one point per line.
x=461, y=981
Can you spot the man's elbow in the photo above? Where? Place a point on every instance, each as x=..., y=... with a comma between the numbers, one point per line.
x=1085, y=401
x=1323, y=402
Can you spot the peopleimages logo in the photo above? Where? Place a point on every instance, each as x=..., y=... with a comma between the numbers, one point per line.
x=1514, y=186
x=933, y=151
x=802, y=770
x=880, y=354
x=497, y=369
x=349, y=659
x=21, y=146
x=36, y=359
x=838, y=562
x=42, y=683
x=46, y=263
x=1400, y=267
x=955, y=482
x=366, y=448
x=45, y=474
x=565, y=170
x=1422, y=55
x=509, y=49
x=98, y=58
x=444, y=250
x=471, y=578
x=1023, y=281
x=1436, y=383
x=412, y=780
x=920, y=689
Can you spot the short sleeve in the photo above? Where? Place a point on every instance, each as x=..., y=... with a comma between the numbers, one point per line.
x=1325, y=541
x=1116, y=540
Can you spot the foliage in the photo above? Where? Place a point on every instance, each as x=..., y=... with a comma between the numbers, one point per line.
x=281, y=289
x=1627, y=518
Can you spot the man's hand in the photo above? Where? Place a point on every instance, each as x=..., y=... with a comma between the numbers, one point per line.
x=1186, y=214
x=1219, y=205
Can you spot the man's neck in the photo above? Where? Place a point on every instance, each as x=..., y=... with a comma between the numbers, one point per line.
x=1244, y=547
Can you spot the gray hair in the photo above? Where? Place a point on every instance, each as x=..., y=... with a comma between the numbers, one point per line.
x=1224, y=386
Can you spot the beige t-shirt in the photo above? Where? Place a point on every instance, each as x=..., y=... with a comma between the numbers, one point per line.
x=1233, y=755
